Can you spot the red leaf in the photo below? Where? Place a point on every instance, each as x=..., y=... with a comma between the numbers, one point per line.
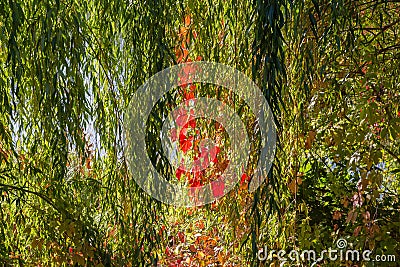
x=218, y=188
x=191, y=123
x=182, y=117
x=188, y=95
x=185, y=146
x=179, y=173
x=181, y=237
x=214, y=152
x=244, y=179
x=185, y=75
x=168, y=251
x=174, y=135
x=195, y=180
x=185, y=142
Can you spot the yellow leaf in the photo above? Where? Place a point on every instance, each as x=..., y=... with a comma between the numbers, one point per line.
x=200, y=254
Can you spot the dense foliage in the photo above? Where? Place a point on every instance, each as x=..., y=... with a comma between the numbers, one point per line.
x=329, y=70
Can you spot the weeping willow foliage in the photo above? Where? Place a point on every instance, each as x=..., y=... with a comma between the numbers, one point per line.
x=69, y=68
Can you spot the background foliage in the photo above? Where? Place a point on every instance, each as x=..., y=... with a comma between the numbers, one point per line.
x=329, y=70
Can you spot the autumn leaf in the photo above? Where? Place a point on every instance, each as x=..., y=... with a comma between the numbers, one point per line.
x=337, y=215
x=310, y=139
x=188, y=20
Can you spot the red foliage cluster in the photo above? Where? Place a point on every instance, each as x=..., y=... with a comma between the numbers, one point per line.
x=186, y=133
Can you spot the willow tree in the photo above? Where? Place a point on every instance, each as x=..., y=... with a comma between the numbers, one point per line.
x=328, y=70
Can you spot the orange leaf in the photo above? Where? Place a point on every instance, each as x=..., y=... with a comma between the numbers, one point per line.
x=200, y=224
x=183, y=31
x=187, y=20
